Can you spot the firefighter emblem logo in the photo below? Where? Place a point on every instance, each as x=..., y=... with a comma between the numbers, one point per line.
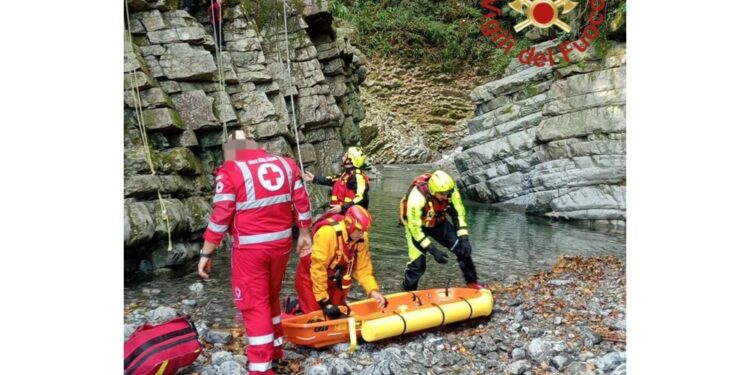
x=271, y=176
x=542, y=13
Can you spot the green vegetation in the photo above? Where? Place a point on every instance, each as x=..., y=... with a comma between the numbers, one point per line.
x=263, y=12
x=443, y=33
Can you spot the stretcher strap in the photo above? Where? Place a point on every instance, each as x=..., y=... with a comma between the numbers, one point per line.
x=471, y=309
x=441, y=312
x=352, y=335
x=415, y=298
x=403, y=320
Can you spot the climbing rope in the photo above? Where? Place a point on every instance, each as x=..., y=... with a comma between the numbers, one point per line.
x=219, y=61
x=291, y=96
x=135, y=91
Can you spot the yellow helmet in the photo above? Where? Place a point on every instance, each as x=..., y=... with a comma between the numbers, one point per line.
x=356, y=156
x=440, y=182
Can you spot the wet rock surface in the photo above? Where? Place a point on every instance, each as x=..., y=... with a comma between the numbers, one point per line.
x=499, y=344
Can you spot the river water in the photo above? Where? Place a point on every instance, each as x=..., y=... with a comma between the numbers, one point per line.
x=504, y=244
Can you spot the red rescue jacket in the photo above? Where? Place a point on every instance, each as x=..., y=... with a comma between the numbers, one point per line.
x=255, y=198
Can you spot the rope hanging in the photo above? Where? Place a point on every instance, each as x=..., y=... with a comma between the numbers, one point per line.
x=135, y=91
x=291, y=96
x=219, y=60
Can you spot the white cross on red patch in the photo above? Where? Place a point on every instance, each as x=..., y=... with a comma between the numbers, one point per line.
x=271, y=176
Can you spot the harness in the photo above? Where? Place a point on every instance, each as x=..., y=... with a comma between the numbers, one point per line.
x=433, y=212
x=341, y=266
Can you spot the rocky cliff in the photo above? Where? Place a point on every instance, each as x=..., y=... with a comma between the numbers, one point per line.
x=173, y=65
x=415, y=113
x=551, y=141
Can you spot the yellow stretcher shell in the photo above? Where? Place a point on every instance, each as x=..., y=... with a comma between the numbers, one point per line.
x=406, y=312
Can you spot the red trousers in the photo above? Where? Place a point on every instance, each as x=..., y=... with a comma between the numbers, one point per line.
x=256, y=282
x=304, y=286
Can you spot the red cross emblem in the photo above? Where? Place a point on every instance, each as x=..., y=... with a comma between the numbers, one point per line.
x=271, y=176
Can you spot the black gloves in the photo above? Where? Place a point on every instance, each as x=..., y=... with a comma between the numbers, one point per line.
x=329, y=309
x=464, y=247
x=439, y=256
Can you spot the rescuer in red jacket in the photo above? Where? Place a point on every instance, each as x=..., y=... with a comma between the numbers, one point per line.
x=351, y=187
x=256, y=193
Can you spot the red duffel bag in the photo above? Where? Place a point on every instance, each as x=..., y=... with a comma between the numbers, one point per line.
x=162, y=349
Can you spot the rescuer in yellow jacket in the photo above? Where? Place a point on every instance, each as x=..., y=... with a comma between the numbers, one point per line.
x=341, y=250
x=430, y=198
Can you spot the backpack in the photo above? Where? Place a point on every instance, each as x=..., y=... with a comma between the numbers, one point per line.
x=162, y=349
x=421, y=183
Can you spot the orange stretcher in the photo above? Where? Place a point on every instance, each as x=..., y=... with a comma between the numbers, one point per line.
x=405, y=312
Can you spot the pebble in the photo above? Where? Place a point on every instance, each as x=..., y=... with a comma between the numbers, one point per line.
x=161, y=314
x=218, y=337
x=608, y=361
x=518, y=354
x=231, y=368
x=196, y=288
x=128, y=330
x=540, y=350
x=559, y=282
x=579, y=368
x=591, y=338
x=584, y=356
x=619, y=325
x=560, y=361
x=519, y=367
x=150, y=292
x=220, y=357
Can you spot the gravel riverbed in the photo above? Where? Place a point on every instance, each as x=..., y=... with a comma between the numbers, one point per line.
x=567, y=320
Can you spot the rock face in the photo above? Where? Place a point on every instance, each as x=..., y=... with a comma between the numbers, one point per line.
x=414, y=113
x=551, y=141
x=173, y=67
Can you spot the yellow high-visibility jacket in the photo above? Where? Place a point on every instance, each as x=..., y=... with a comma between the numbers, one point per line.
x=327, y=254
x=419, y=212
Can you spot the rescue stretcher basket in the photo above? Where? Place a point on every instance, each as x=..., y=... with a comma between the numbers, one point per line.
x=405, y=312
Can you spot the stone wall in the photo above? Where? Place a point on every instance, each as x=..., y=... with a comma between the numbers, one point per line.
x=185, y=109
x=551, y=141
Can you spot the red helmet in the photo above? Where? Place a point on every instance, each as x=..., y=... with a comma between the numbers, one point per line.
x=357, y=217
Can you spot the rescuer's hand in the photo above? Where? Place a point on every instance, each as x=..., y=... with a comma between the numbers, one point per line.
x=329, y=309
x=307, y=176
x=334, y=209
x=304, y=242
x=439, y=256
x=204, y=267
x=464, y=247
x=206, y=261
x=378, y=298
